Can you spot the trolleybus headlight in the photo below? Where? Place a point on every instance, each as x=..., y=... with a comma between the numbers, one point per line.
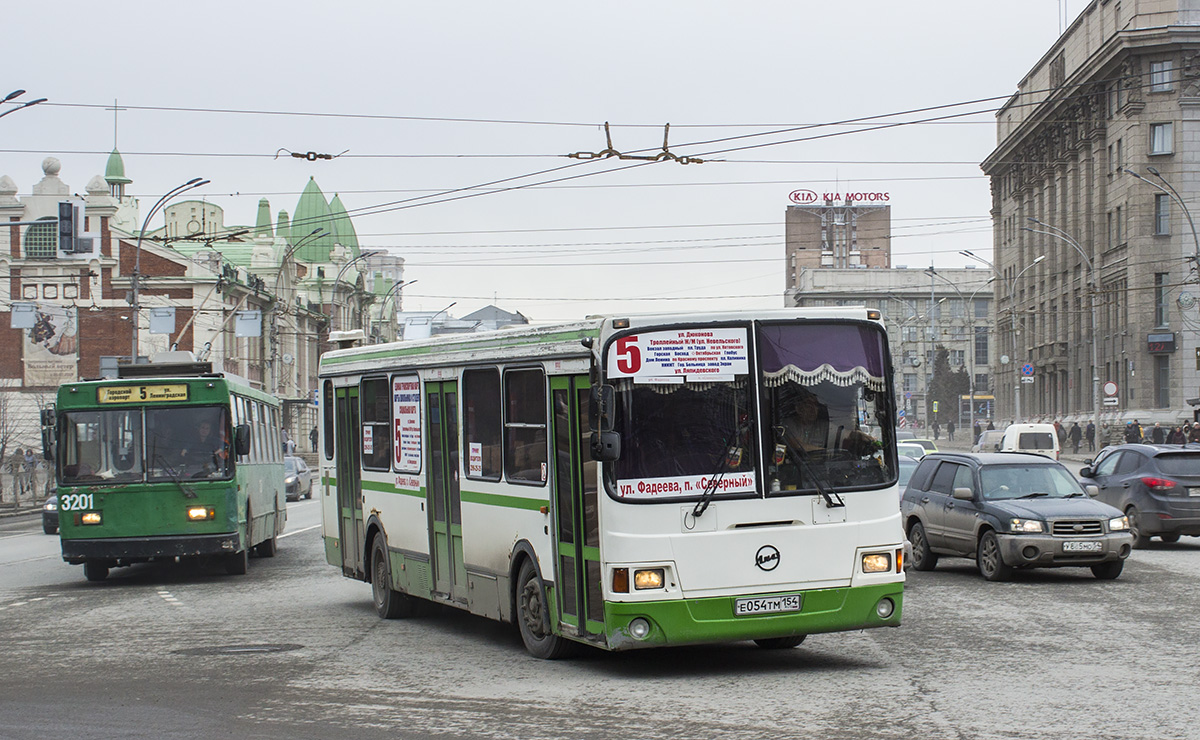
x=90, y=517
x=639, y=628
x=877, y=562
x=1120, y=524
x=201, y=513
x=885, y=608
x=644, y=579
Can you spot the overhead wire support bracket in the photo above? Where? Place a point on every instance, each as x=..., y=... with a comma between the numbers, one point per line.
x=663, y=156
x=310, y=156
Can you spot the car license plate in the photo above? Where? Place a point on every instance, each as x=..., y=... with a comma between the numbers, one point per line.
x=767, y=605
x=1083, y=546
x=1193, y=491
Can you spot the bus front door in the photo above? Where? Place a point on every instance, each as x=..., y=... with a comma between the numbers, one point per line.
x=444, y=505
x=576, y=525
x=349, y=479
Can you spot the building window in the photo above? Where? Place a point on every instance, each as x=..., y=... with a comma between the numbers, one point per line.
x=910, y=382
x=1117, y=225
x=957, y=358
x=1162, y=214
x=1161, y=138
x=981, y=385
x=981, y=308
x=1160, y=299
x=981, y=345
x=1160, y=76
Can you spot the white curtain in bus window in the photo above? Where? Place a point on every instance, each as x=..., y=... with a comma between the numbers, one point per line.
x=376, y=424
x=481, y=423
x=525, y=455
x=406, y=421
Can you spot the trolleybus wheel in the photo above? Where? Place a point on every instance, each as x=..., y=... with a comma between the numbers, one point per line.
x=533, y=617
x=237, y=563
x=780, y=643
x=389, y=603
x=95, y=571
x=268, y=548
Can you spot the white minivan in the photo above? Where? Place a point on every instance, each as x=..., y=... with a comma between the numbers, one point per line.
x=1040, y=439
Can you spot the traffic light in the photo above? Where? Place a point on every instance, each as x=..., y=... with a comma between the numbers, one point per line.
x=68, y=226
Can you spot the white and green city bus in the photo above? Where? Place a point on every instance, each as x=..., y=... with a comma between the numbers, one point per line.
x=622, y=482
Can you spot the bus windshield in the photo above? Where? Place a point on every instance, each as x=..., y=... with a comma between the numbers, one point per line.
x=107, y=446
x=828, y=416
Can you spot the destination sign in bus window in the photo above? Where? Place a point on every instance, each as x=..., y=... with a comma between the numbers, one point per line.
x=142, y=393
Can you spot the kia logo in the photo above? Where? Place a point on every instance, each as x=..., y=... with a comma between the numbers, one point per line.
x=802, y=196
x=767, y=558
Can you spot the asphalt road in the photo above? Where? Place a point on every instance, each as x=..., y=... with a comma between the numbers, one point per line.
x=293, y=650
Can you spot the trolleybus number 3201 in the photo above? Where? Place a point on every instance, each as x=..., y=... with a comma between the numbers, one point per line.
x=788, y=603
x=75, y=501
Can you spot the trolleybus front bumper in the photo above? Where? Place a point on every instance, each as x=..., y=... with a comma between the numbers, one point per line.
x=134, y=549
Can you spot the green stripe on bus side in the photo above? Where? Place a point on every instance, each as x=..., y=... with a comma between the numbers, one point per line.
x=500, y=343
x=374, y=485
x=471, y=497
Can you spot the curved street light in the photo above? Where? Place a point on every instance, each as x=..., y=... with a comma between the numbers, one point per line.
x=359, y=258
x=1174, y=195
x=20, y=106
x=1061, y=235
x=1012, y=300
x=192, y=184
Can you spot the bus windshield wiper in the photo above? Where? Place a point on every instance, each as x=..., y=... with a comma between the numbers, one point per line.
x=714, y=480
x=832, y=500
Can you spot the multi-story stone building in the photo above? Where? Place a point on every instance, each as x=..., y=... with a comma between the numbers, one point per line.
x=837, y=233
x=1115, y=100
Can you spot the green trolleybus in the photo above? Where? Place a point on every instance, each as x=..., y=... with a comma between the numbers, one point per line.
x=624, y=482
x=165, y=462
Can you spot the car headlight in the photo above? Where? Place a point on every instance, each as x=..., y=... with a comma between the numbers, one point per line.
x=289, y=480
x=1025, y=525
x=50, y=506
x=1120, y=524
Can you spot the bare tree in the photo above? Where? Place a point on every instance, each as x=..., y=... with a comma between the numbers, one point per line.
x=8, y=436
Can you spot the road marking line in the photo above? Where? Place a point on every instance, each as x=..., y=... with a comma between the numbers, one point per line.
x=298, y=531
x=168, y=597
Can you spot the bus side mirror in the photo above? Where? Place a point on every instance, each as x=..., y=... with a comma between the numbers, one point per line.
x=606, y=446
x=600, y=410
x=242, y=440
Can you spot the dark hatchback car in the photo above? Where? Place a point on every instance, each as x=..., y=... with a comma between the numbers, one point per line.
x=1157, y=486
x=50, y=515
x=1009, y=510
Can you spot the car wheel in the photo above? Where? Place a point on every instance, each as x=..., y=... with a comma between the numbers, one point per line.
x=780, y=643
x=49, y=529
x=389, y=603
x=1135, y=528
x=1108, y=571
x=533, y=617
x=922, y=557
x=95, y=571
x=988, y=558
x=1169, y=537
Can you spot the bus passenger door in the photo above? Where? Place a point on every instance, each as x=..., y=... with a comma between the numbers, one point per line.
x=349, y=479
x=444, y=505
x=576, y=524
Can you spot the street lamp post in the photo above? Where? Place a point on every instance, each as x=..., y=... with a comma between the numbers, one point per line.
x=134, y=306
x=393, y=291
x=968, y=306
x=20, y=106
x=933, y=347
x=1095, y=338
x=346, y=266
x=276, y=301
x=1012, y=301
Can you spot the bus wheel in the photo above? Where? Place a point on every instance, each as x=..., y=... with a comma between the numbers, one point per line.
x=780, y=643
x=389, y=603
x=95, y=571
x=268, y=548
x=533, y=617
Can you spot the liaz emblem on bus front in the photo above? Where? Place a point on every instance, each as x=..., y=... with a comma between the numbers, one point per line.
x=141, y=393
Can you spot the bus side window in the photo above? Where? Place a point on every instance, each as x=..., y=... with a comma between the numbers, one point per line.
x=377, y=418
x=481, y=423
x=327, y=418
x=525, y=454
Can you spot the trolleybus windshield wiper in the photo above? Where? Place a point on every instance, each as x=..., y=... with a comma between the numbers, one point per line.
x=832, y=500
x=714, y=480
x=173, y=475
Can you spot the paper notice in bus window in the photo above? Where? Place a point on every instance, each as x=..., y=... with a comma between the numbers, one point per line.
x=685, y=485
x=406, y=415
x=695, y=354
x=475, y=460
x=368, y=441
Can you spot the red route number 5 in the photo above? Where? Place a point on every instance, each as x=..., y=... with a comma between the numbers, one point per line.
x=629, y=355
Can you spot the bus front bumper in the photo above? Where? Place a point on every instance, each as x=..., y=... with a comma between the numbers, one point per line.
x=138, y=549
x=697, y=621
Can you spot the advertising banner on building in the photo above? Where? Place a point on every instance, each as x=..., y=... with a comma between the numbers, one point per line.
x=51, y=351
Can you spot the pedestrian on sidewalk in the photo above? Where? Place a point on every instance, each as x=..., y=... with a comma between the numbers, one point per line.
x=1075, y=435
x=29, y=470
x=936, y=429
x=1157, y=434
x=1194, y=432
x=1176, y=437
x=950, y=431
x=1090, y=435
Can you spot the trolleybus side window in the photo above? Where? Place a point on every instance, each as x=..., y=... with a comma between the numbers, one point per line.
x=525, y=452
x=376, y=424
x=327, y=418
x=481, y=423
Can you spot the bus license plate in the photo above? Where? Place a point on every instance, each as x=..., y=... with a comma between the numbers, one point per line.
x=1083, y=546
x=766, y=605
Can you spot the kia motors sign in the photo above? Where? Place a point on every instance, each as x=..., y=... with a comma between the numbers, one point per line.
x=806, y=197
x=803, y=197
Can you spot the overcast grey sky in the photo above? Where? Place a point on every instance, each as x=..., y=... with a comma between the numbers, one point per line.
x=529, y=83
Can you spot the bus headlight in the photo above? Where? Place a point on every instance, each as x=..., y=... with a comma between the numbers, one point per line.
x=201, y=513
x=90, y=517
x=644, y=579
x=877, y=562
